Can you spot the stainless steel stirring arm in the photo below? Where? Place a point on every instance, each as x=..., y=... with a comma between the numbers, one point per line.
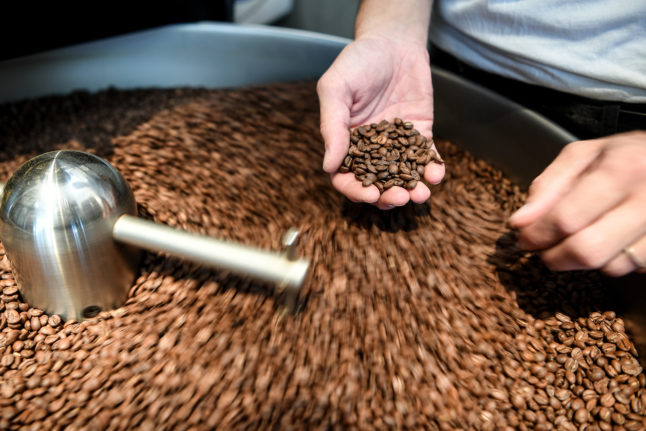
x=68, y=226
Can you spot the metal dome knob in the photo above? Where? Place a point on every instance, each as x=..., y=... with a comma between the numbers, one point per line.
x=57, y=213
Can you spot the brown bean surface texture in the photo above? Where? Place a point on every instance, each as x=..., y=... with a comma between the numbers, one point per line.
x=394, y=150
x=424, y=317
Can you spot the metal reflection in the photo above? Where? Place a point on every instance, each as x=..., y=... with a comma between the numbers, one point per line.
x=57, y=213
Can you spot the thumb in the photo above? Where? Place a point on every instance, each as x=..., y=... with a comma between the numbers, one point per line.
x=555, y=181
x=335, y=101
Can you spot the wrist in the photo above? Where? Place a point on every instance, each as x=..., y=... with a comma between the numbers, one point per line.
x=405, y=21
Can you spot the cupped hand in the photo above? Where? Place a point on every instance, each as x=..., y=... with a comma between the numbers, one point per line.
x=375, y=79
x=587, y=210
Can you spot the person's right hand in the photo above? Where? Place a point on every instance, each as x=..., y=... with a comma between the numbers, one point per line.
x=374, y=79
x=586, y=210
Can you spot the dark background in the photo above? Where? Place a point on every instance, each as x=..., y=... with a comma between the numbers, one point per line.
x=27, y=27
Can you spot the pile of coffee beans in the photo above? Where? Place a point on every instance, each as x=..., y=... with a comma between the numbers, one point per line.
x=388, y=155
x=422, y=317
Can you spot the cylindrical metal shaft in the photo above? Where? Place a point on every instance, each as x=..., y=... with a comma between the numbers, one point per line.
x=264, y=265
x=67, y=225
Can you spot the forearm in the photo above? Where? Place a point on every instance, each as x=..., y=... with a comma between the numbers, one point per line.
x=403, y=20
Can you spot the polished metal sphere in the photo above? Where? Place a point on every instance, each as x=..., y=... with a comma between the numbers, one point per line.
x=57, y=213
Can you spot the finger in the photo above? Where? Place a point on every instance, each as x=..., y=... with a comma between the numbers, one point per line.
x=420, y=193
x=596, y=245
x=555, y=181
x=352, y=188
x=434, y=172
x=631, y=258
x=335, y=101
x=393, y=197
x=397, y=197
x=594, y=194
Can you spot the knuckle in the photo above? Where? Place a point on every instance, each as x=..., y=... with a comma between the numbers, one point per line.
x=616, y=164
x=326, y=84
x=536, y=185
x=633, y=168
x=322, y=83
x=575, y=148
x=588, y=251
x=565, y=222
x=625, y=163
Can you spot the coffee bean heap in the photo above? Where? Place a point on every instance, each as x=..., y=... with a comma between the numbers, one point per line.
x=576, y=372
x=412, y=318
x=388, y=155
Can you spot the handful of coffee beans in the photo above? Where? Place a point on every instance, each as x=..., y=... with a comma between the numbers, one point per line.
x=389, y=154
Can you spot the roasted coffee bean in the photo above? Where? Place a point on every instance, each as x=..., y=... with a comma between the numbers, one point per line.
x=35, y=323
x=54, y=321
x=589, y=394
x=369, y=179
x=604, y=414
x=596, y=374
x=581, y=415
x=12, y=316
x=7, y=360
x=383, y=175
x=10, y=290
x=411, y=184
x=35, y=312
x=607, y=400
x=631, y=366
x=388, y=184
x=377, y=152
x=636, y=405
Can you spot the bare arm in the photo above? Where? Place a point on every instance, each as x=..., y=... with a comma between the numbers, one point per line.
x=385, y=73
x=402, y=20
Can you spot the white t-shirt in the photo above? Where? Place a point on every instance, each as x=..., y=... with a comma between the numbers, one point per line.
x=593, y=48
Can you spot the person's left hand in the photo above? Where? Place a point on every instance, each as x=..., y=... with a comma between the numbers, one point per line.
x=587, y=210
